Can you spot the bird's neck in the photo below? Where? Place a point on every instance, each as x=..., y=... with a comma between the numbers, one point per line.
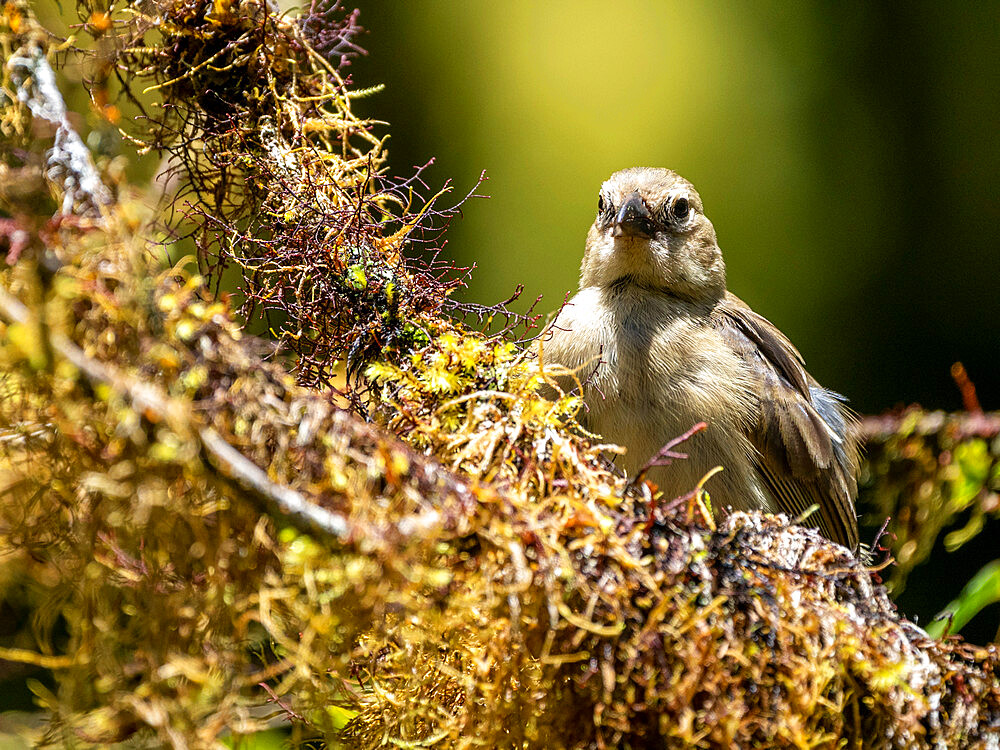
x=629, y=285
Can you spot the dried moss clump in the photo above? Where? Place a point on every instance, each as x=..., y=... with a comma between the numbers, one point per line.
x=210, y=546
x=754, y=635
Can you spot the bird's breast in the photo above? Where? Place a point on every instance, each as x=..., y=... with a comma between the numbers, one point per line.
x=652, y=367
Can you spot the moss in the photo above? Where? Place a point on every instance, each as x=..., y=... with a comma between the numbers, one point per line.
x=214, y=540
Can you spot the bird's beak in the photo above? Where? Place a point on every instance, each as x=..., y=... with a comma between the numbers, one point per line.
x=633, y=217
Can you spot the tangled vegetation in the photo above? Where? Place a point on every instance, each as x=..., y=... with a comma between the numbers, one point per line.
x=931, y=471
x=376, y=532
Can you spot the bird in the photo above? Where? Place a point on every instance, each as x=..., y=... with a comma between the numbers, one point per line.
x=657, y=343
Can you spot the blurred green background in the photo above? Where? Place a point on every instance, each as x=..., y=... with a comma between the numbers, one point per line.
x=847, y=154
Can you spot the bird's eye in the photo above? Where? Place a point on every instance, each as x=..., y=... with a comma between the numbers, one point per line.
x=605, y=209
x=681, y=209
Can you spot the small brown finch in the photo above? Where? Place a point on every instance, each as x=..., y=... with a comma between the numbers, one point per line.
x=659, y=345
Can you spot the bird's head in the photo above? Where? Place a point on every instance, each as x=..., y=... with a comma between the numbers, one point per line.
x=651, y=230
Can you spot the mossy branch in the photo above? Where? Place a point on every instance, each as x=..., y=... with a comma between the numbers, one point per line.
x=482, y=577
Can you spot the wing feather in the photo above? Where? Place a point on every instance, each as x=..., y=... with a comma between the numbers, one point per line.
x=806, y=452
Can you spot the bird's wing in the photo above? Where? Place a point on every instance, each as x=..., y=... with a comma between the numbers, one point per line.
x=807, y=453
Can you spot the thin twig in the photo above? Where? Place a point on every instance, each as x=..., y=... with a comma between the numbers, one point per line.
x=667, y=455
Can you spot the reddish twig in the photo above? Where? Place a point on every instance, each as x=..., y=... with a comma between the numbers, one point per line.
x=968, y=390
x=667, y=455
